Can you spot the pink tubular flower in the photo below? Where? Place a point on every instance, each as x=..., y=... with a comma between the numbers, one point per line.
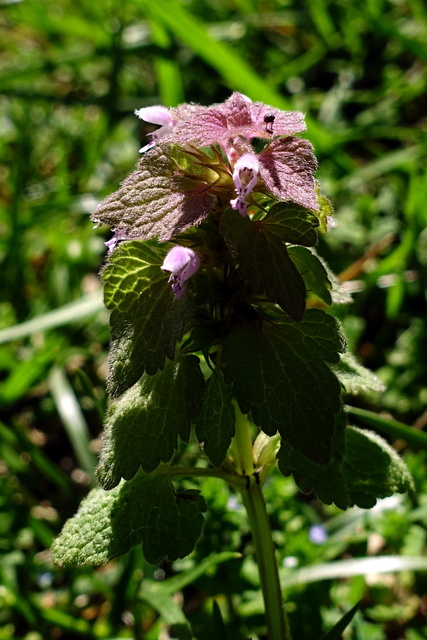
x=183, y=263
x=156, y=115
x=245, y=176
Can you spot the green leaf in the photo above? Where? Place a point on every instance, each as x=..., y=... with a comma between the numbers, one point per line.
x=313, y=272
x=355, y=378
x=293, y=223
x=146, y=320
x=279, y=371
x=370, y=469
x=158, y=200
x=336, y=632
x=260, y=253
x=143, y=425
x=146, y=509
x=131, y=268
x=215, y=424
x=327, y=482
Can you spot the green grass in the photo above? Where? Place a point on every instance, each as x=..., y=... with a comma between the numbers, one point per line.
x=71, y=75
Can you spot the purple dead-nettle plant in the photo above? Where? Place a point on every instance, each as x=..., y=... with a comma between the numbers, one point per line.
x=225, y=333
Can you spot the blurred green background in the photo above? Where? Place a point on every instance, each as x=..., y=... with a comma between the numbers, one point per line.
x=71, y=75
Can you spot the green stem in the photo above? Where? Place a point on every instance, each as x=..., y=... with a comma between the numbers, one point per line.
x=253, y=499
x=233, y=479
x=248, y=482
x=277, y=624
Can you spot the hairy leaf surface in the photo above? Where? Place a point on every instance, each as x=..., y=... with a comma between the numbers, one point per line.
x=279, y=371
x=310, y=476
x=146, y=509
x=143, y=425
x=157, y=200
x=355, y=377
x=292, y=223
x=146, y=320
x=286, y=167
x=313, y=272
x=370, y=469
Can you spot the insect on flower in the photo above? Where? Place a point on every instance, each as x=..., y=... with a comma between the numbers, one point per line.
x=269, y=120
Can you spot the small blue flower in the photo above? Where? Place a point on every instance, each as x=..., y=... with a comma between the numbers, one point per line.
x=318, y=534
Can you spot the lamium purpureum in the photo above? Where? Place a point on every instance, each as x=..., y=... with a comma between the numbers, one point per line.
x=219, y=324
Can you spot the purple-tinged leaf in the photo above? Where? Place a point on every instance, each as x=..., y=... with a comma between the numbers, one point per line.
x=287, y=167
x=157, y=200
x=236, y=117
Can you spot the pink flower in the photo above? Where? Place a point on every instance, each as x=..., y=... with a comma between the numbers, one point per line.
x=156, y=115
x=245, y=177
x=183, y=263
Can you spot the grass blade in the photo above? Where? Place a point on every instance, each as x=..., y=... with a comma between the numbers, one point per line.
x=73, y=420
x=178, y=582
x=76, y=310
x=354, y=567
x=342, y=624
x=391, y=427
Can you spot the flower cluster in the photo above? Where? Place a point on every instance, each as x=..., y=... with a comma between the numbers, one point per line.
x=203, y=159
x=285, y=167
